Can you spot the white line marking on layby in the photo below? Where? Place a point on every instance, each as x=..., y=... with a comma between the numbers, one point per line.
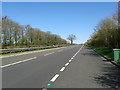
x=18, y=62
x=54, y=78
x=66, y=64
x=49, y=53
x=62, y=69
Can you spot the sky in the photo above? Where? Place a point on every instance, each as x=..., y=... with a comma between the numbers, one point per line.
x=61, y=18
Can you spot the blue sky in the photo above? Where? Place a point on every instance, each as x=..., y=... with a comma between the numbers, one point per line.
x=62, y=18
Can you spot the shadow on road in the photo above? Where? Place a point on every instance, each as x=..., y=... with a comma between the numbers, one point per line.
x=110, y=77
x=89, y=53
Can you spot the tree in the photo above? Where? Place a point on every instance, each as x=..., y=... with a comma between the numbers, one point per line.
x=107, y=33
x=15, y=35
x=71, y=38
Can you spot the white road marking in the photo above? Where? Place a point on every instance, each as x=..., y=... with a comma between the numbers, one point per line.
x=62, y=69
x=49, y=53
x=66, y=64
x=77, y=52
x=70, y=60
x=54, y=78
x=73, y=56
x=18, y=62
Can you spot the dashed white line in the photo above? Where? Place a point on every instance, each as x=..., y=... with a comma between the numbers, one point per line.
x=49, y=53
x=73, y=56
x=18, y=62
x=62, y=69
x=77, y=52
x=66, y=64
x=70, y=60
x=54, y=78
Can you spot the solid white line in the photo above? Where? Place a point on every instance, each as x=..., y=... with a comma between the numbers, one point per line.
x=66, y=64
x=62, y=69
x=72, y=58
x=49, y=53
x=18, y=62
x=54, y=78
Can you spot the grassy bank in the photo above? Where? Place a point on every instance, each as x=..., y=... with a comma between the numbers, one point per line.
x=27, y=50
x=106, y=52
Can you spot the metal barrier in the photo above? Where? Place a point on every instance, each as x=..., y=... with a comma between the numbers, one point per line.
x=21, y=49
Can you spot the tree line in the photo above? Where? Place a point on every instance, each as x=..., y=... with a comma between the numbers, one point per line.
x=13, y=34
x=107, y=33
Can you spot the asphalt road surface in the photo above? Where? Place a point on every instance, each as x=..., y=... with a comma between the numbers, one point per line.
x=69, y=67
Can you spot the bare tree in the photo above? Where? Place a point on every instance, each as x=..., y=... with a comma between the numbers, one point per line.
x=71, y=37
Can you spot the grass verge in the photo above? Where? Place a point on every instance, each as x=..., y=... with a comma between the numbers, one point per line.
x=21, y=51
x=117, y=62
x=106, y=52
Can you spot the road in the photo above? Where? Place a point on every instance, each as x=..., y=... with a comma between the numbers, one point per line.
x=69, y=67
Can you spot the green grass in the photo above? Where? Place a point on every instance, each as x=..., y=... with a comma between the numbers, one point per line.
x=108, y=53
x=118, y=62
x=27, y=50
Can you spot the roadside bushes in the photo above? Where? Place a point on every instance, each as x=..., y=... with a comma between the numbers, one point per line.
x=106, y=34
